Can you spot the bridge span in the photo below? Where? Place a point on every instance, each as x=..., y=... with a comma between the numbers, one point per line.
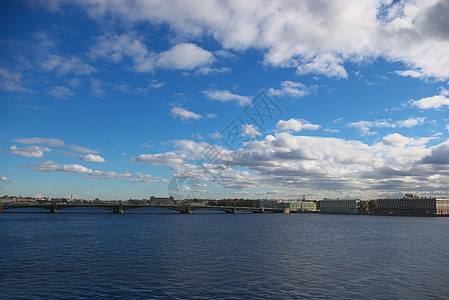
x=120, y=208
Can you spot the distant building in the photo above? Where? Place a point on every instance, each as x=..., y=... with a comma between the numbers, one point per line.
x=269, y=203
x=297, y=205
x=339, y=206
x=162, y=200
x=413, y=205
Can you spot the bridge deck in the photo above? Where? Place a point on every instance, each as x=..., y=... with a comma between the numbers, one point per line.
x=120, y=207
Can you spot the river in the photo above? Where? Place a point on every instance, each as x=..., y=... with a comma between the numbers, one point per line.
x=222, y=256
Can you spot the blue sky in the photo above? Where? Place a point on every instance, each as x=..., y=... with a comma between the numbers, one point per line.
x=215, y=99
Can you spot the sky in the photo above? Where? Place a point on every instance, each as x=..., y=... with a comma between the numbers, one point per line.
x=224, y=99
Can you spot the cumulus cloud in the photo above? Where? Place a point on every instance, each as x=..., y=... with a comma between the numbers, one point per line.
x=291, y=89
x=287, y=161
x=313, y=37
x=91, y=158
x=296, y=125
x=435, y=102
x=33, y=151
x=184, y=114
x=250, y=130
x=439, y=155
x=116, y=47
x=226, y=96
x=365, y=126
x=41, y=141
x=398, y=140
x=51, y=166
x=183, y=56
x=324, y=64
x=6, y=179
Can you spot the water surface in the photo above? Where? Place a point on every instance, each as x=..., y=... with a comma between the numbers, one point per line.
x=233, y=256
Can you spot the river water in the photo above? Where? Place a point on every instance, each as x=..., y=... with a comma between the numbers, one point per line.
x=222, y=256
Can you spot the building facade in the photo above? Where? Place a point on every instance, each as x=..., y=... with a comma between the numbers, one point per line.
x=413, y=205
x=339, y=206
x=298, y=205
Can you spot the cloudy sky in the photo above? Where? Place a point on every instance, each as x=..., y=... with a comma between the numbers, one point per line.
x=254, y=99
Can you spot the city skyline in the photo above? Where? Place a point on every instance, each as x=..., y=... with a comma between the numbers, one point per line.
x=261, y=99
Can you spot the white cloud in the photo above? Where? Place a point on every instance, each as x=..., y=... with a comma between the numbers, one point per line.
x=41, y=141
x=212, y=116
x=412, y=73
x=156, y=84
x=313, y=37
x=431, y=102
x=66, y=65
x=60, y=92
x=11, y=81
x=226, y=96
x=324, y=64
x=296, y=125
x=91, y=158
x=146, y=179
x=6, y=179
x=365, y=126
x=331, y=130
x=146, y=145
x=33, y=151
x=439, y=155
x=82, y=149
x=51, y=166
x=317, y=164
x=250, y=130
x=291, y=89
x=209, y=71
x=184, y=56
x=169, y=158
x=398, y=140
x=184, y=114
x=410, y=122
x=116, y=47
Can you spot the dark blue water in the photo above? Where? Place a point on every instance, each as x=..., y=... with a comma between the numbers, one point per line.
x=209, y=256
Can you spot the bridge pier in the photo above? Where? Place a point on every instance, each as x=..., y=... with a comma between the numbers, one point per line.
x=119, y=209
x=54, y=209
x=187, y=210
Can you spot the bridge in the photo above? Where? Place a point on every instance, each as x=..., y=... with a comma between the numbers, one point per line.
x=120, y=208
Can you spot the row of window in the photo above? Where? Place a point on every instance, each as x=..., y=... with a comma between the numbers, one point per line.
x=406, y=205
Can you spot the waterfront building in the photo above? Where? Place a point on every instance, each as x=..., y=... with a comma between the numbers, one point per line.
x=297, y=205
x=413, y=205
x=269, y=203
x=339, y=206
